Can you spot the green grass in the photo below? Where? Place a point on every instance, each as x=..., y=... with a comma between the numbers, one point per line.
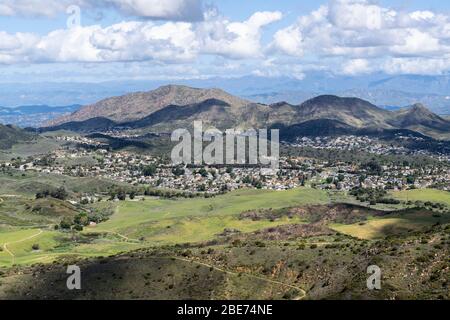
x=404, y=222
x=189, y=230
x=35, y=147
x=134, y=213
x=16, y=183
x=159, y=222
x=424, y=195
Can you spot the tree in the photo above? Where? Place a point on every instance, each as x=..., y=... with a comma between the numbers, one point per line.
x=60, y=194
x=66, y=223
x=410, y=180
x=178, y=171
x=121, y=195
x=149, y=171
x=203, y=172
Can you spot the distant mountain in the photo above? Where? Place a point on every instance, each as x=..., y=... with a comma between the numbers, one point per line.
x=172, y=107
x=418, y=115
x=380, y=89
x=384, y=98
x=138, y=105
x=10, y=135
x=94, y=124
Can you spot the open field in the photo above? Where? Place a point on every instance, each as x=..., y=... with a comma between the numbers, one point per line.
x=138, y=224
x=424, y=195
x=38, y=146
x=15, y=183
x=135, y=213
x=395, y=224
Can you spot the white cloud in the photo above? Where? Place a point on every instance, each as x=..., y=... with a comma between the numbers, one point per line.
x=185, y=10
x=343, y=36
x=235, y=39
x=359, y=31
x=434, y=66
x=356, y=66
x=169, y=42
x=179, y=10
x=289, y=40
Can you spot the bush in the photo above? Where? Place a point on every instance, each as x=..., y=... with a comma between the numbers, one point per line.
x=78, y=227
x=66, y=223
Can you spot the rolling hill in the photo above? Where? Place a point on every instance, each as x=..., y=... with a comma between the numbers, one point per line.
x=172, y=107
x=9, y=135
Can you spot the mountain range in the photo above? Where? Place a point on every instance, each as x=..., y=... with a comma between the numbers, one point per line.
x=380, y=89
x=174, y=106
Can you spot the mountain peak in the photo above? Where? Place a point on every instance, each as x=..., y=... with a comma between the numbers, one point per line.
x=418, y=107
x=326, y=100
x=135, y=106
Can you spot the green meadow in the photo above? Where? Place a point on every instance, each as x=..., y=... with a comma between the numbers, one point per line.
x=153, y=222
x=405, y=221
x=424, y=195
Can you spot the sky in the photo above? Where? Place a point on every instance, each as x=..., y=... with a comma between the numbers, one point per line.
x=103, y=40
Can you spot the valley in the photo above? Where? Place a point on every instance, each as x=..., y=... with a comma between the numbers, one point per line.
x=356, y=186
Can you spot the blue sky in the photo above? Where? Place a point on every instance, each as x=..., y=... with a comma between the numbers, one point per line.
x=154, y=39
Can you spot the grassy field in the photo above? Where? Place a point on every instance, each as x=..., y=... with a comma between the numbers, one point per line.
x=153, y=222
x=156, y=222
x=424, y=195
x=135, y=213
x=376, y=228
x=38, y=146
x=27, y=185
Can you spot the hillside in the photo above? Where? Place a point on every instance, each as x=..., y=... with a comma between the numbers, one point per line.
x=352, y=111
x=9, y=135
x=172, y=107
x=138, y=105
x=419, y=115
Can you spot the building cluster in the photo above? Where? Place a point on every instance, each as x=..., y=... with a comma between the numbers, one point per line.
x=138, y=169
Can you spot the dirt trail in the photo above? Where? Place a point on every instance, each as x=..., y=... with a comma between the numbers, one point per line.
x=5, y=246
x=122, y=236
x=300, y=297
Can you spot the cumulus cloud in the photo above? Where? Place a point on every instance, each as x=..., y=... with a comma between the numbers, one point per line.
x=358, y=31
x=356, y=66
x=342, y=36
x=235, y=39
x=179, y=10
x=169, y=42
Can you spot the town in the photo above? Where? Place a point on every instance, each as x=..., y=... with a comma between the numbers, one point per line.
x=91, y=158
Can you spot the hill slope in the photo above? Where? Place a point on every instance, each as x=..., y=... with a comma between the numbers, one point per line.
x=172, y=107
x=10, y=135
x=138, y=105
